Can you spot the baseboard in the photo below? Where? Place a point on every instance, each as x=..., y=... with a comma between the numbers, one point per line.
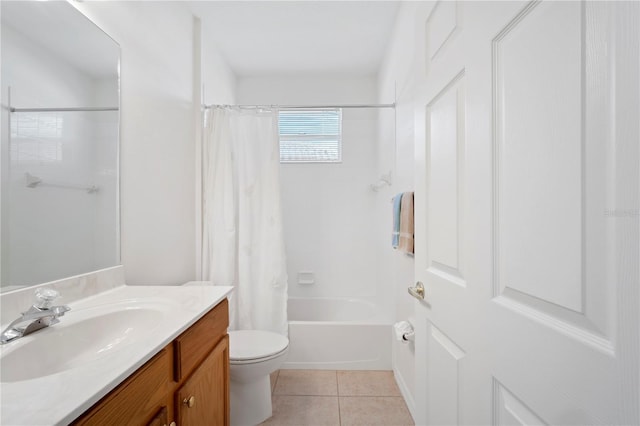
x=406, y=394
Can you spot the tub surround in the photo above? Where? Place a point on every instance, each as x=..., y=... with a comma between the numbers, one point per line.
x=61, y=397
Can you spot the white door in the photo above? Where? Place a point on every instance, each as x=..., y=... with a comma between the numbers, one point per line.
x=527, y=213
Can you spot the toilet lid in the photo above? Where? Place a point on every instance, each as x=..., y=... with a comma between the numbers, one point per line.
x=254, y=344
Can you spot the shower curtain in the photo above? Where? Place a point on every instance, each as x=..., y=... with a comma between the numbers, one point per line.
x=243, y=242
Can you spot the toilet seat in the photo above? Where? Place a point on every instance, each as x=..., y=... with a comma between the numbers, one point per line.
x=257, y=360
x=252, y=346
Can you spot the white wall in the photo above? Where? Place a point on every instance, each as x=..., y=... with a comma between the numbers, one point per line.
x=160, y=102
x=328, y=220
x=156, y=146
x=218, y=79
x=216, y=83
x=395, y=78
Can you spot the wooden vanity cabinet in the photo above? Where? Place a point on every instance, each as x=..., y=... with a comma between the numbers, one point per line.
x=203, y=397
x=186, y=383
x=138, y=398
x=161, y=418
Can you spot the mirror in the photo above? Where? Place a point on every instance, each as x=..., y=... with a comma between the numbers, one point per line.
x=59, y=148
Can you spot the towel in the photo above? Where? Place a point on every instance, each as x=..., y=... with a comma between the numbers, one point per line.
x=406, y=223
x=395, y=235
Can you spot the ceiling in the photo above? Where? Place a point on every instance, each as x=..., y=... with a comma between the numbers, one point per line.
x=58, y=28
x=266, y=38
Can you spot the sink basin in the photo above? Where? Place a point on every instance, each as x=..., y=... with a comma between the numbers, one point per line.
x=81, y=336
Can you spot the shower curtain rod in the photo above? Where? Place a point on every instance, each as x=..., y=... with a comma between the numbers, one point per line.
x=72, y=109
x=393, y=105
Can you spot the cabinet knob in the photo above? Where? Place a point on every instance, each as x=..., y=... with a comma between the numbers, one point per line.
x=190, y=402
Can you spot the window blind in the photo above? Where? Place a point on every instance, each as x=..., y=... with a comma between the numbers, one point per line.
x=310, y=136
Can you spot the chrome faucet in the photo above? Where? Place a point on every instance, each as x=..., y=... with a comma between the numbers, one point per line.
x=41, y=314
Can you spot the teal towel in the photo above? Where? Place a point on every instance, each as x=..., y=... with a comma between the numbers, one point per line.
x=395, y=236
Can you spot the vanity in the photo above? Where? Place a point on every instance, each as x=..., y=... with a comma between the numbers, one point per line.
x=186, y=383
x=139, y=355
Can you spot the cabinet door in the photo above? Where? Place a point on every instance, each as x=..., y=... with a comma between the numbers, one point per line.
x=204, y=397
x=137, y=399
x=160, y=419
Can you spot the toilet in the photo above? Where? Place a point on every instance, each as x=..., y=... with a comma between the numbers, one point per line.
x=253, y=356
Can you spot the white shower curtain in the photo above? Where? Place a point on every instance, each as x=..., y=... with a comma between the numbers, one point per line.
x=243, y=242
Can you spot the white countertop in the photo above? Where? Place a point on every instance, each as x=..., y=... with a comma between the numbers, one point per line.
x=61, y=397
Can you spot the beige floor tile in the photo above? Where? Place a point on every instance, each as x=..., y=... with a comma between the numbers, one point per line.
x=304, y=411
x=274, y=378
x=306, y=382
x=374, y=410
x=367, y=383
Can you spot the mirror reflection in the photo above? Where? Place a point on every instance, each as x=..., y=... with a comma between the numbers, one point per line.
x=59, y=152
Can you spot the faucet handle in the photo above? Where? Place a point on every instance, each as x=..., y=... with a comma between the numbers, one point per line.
x=45, y=297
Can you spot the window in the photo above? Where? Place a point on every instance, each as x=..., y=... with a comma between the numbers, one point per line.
x=36, y=137
x=310, y=136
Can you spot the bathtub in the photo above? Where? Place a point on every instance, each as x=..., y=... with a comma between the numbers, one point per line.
x=337, y=334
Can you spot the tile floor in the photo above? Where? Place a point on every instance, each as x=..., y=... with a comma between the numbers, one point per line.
x=344, y=398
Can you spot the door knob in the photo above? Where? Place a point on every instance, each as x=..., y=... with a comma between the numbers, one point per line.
x=417, y=291
x=190, y=402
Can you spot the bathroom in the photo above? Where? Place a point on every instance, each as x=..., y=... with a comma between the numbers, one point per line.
x=436, y=62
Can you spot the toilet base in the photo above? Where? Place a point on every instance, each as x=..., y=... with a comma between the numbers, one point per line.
x=250, y=401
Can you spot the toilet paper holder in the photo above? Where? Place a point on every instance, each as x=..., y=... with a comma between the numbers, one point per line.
x=409, y=336
x=404, y=331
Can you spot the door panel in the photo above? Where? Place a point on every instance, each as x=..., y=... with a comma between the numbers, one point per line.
x=527, y=223
x=550, y=168
x=509, y=410
x=539, y=145
x=444, y=371
x=445, y=140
